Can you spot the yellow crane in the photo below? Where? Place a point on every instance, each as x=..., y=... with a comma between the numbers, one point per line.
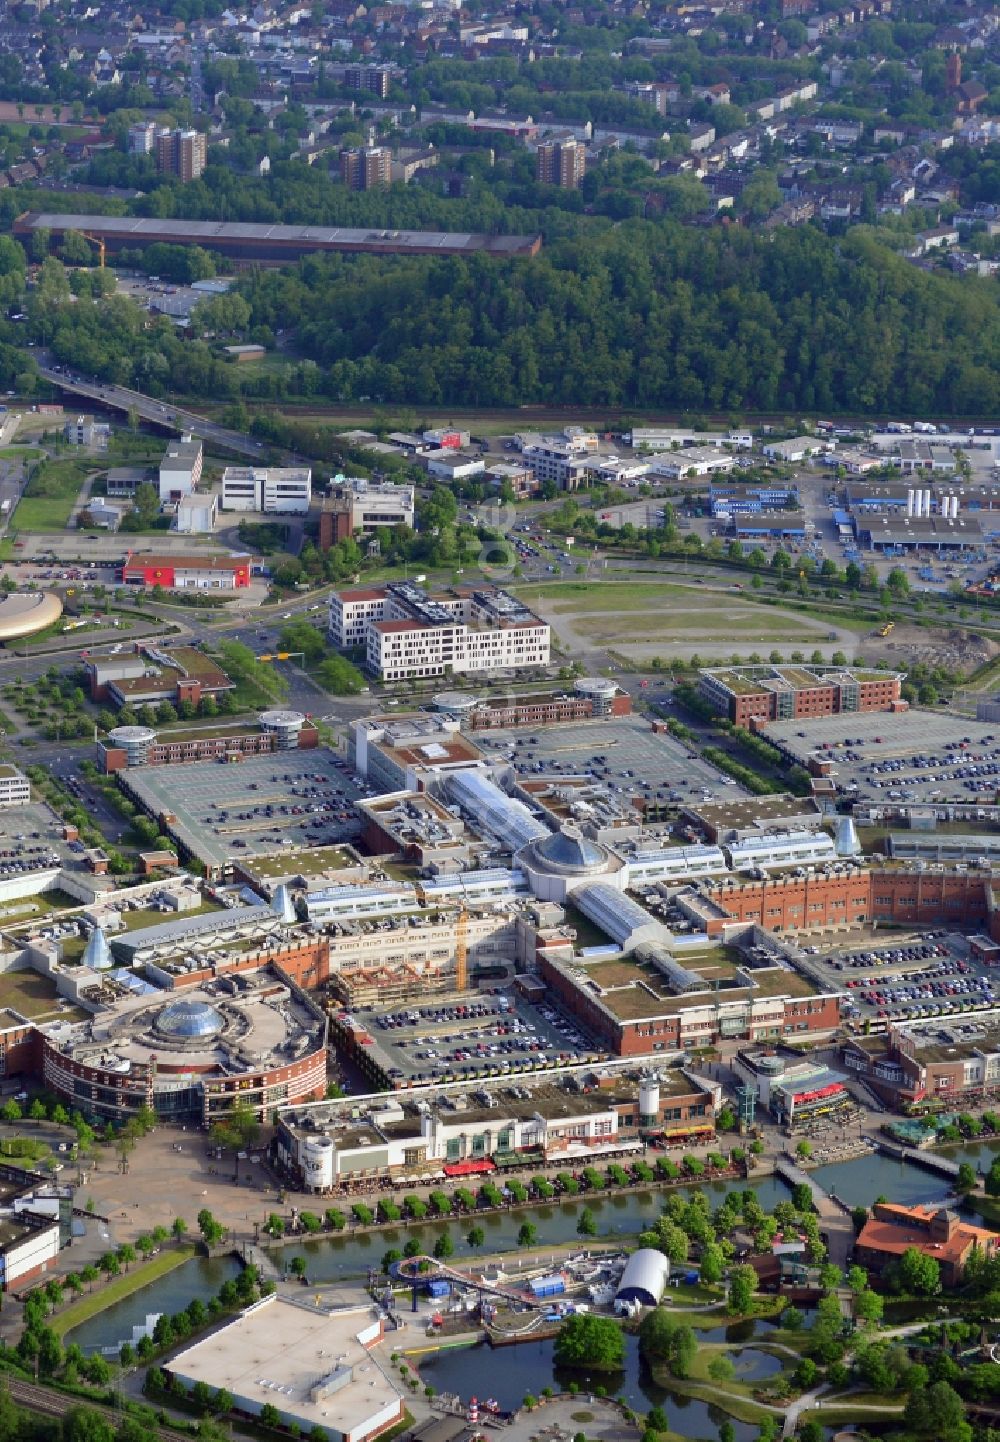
x=97, y=240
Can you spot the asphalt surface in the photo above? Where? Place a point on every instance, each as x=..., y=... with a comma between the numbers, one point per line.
x=156, y=412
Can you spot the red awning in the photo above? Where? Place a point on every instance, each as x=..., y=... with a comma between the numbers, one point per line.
x=827, y=1091
x=468, y=1169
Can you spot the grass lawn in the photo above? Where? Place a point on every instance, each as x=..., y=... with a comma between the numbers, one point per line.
x=49, y=495
x=590, y=597
x=88, y=1306
x=34, y=996
x=732, y=1397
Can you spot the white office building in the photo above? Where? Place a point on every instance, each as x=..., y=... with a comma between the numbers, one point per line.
x=181, y=467
x=15, y=789
x=407, y=632
x=269, y=490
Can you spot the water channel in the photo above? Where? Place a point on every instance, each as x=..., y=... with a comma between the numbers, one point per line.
x=513, y=1371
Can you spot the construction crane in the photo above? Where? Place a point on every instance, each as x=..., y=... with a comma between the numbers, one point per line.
x=97, y=240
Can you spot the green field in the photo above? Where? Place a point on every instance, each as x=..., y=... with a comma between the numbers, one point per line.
x=32, y=995
x=49, y=495
x=599, y=596
x=122, y=1286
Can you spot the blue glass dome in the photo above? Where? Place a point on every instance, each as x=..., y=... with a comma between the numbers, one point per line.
x=189, y=1019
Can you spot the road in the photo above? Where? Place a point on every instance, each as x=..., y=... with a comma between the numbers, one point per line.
x=156, y=412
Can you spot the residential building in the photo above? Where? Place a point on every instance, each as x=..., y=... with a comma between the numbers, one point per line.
x=408, y=632
x=142, y=138
x=364, y=168
x=85, y=431
x=520, y=478
x=15, y=789
x=180, y=468
x=374, y=79
x=561, y=162
x=197, y=515
x=759, y=694
x=183, y=153
x=269, y=490
x=186, y=573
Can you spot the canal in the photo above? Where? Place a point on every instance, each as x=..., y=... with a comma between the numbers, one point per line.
x=339, y=1257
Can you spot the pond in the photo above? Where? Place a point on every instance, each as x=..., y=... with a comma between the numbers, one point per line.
x=510, y=1373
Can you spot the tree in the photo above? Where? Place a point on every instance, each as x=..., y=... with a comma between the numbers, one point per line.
x=179, y=1226
x=83, y=1424
x=857, y=1279
x=918, y=1274
x=711, y=1266
x=742, y=1285
x=937, y=1413
x=589, y=1341
x=527, y=1235
x=475, y=1236
x=868, y=1306
x=444, y=1247
x=721, y=1368
x=966, y=1179
x=587, y=1223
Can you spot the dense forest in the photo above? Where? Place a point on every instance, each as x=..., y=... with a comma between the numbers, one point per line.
x=639, y=315
x=650, y=316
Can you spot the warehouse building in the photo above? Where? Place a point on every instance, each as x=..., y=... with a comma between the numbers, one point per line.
x=909, y=533
x=269, y=244
x=317, y=1368
x=186, y=573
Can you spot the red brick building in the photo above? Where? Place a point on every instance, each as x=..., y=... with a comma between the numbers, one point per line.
x=784, y=693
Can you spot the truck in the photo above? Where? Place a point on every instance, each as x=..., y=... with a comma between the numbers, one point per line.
x=5, y=507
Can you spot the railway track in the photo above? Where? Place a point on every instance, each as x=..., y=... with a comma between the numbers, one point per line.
x=50, y=1403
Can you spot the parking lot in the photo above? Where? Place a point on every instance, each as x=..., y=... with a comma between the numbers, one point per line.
x=30, y=841
x=622, y=752
x=926, y=975
x=923, y=757
x=498, y=1032
x=222, y=813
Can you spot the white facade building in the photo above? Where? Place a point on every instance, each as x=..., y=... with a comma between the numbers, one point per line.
x=181, y=467
x=406, y=632
x=197, y=515
x=269, y=490
x=693, y=461
x=15, y=788
x=374, y=505
x=350, y=614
